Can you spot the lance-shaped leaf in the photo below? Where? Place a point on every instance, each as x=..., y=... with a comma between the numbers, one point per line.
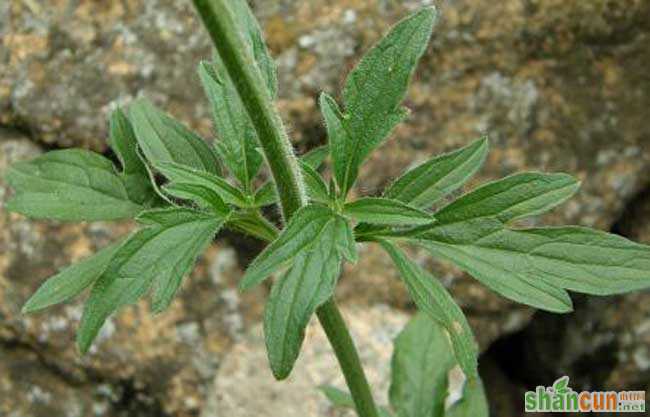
x=432, y=298
x=302, y=231
x=316, y=187
x=372, y=96
x=71, y=281
x=203, y=196
x=427, y=183
x=470, y=233
x=251, y=222
x=315, y=157
x=72, y=185
x=295, y=296
x=252, y=34
x=386, y=212
x=345, y=240
x=134, y=173
x=182, y=174
x=520, y=264
x=497, y=268
x=266, y=195
x=237, y=139
x=419, y=368
x=163, y=139
x=308, y=283
x=158, y=255
x=342, y=399
x=514, y=197
x=533, y=266
x=123, y=142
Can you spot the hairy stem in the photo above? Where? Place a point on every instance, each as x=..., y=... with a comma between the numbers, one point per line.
x=239, y=63
x=241, y=67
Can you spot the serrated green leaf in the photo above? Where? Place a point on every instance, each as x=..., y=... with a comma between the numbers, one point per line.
x=372, y=96
x=316, y=187
x=266, y=195
x=533, y=266
x=472, y=404
x=71, y=185
x=315, y=157
x=342, y=399
x=345, y=240
x=432, y=298
x=181, y=174
x=237, y=138
x=134, y=173
x=383, y=211
x=123, y=142
x=421, y=361
x=496, y=268
x=252, y=33
x=427, y=183
x=253, y=223
x=295, y=297
x=572, y=258
x=158, y=255
x=71, y=281
x=238, y=142
x=163, y=139
x=301, y=232
x=514, y=197
x=467, y=228
x=203, y=196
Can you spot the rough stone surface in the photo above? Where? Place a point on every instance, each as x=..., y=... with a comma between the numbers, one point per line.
x=244, y=385
x=558, y=85
x=68, y=63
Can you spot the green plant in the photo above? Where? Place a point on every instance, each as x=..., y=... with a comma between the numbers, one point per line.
x=179, y=218
x=426, y=378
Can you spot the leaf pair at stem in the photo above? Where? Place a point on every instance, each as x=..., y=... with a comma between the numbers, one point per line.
x=179, y=218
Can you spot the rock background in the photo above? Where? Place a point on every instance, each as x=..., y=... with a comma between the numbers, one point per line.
x=558, y=85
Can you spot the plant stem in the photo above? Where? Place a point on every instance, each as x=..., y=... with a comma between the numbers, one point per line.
x=337, y=333
x=220, y=23
x=240, y=64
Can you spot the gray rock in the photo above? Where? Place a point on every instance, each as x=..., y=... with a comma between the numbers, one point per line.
x=244, y=384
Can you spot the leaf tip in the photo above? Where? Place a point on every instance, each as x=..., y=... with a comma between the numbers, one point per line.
x=565, y=306
x=327, y=103
x=83, y=344
x=483, y=141
x=280, y=373
x=159, y=305
x=28, y=308
x=429, y=14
